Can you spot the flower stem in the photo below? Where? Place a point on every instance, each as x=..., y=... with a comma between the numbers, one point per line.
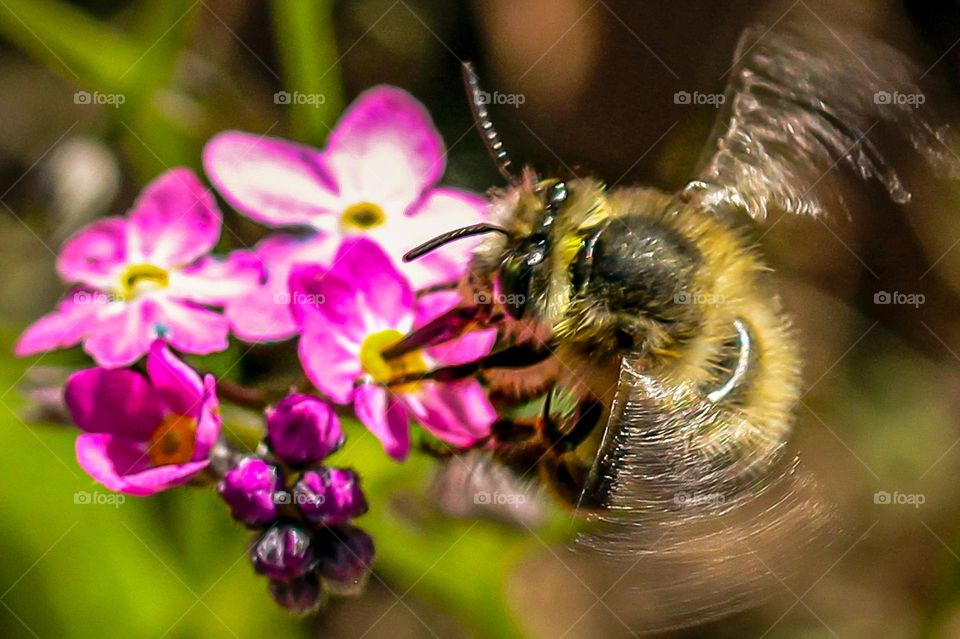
x=253, y=398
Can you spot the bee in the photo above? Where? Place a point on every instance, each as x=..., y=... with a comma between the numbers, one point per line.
x=653, y=317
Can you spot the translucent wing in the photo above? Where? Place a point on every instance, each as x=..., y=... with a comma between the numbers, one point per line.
x=704, y=513
x=807, y=105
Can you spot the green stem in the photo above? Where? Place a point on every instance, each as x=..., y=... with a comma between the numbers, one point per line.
x=303, y=32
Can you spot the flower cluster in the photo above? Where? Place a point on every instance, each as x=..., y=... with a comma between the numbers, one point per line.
x=327, y=274
x=307, y=546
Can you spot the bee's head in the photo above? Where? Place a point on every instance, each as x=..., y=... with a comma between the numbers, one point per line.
x=547, y=223
x=543, y=226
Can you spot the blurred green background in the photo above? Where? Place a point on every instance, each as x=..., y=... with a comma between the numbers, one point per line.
x=598, y=79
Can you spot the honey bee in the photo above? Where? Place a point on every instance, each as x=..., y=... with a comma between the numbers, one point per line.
x=654, y=312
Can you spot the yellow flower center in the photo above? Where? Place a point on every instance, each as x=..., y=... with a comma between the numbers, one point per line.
x=142, y=278
x=383, y=370
x=173, y=441
x=362, y=216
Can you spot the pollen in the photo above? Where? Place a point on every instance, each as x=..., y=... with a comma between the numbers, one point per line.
x=142, y=278
x=363, y=216
x=173, y=441
x=383, y=370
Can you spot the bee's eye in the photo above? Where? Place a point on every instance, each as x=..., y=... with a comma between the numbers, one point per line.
x=556, y=196
x=514, y=280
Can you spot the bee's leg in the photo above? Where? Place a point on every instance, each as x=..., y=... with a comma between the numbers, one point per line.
x=448, y=326
x=586, y=418
x=518, y=356
x=518, y=444
x=564, y=476
x=438, y=288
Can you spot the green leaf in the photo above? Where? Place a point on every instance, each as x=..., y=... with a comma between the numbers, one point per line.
x=78, y=46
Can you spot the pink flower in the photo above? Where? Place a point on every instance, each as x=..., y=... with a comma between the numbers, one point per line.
x=376, y=177
x=263, y=312
x=146, y=275
x=142, y=434
x=352, y=311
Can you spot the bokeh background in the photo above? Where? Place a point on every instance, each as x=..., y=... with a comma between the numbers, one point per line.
x=597, y=80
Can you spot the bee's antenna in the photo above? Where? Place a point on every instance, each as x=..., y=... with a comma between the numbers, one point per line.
x=481, y=119
x=452, y=236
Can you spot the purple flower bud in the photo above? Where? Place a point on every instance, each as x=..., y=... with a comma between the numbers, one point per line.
x=330, y=497
x=284, y=552
x=300, y=596
x=303, y=430
x=346, y=555
x=248, y=489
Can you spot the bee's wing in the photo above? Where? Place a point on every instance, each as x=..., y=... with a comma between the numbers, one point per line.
x=808, y=106
x=694, y=528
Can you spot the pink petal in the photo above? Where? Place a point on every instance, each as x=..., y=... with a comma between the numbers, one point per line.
x=96, y=254
x=263, y=314
x=178, y=384
x=122, y=466
x=174, y=221
x=459, y=414
x=384, y=295
x=385, y=149
x=65, y=326
x=190, y=328
x=468, y=348
x=118, y=401
x=318, y=295
x=329, y=365
x=384, y=415
x=217, y=281
x=209, y=422
x=272, y=181
x=439, y=211
x=122, y=333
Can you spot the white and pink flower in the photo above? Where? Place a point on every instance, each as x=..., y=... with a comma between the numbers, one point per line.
x=147, y=275
x=376, y=177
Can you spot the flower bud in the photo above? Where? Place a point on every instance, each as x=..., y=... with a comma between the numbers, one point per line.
x=303, y=430
x=248, y=488
x=301, y=596
x=345, y=557
x=330, y=497
x=284, y=552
